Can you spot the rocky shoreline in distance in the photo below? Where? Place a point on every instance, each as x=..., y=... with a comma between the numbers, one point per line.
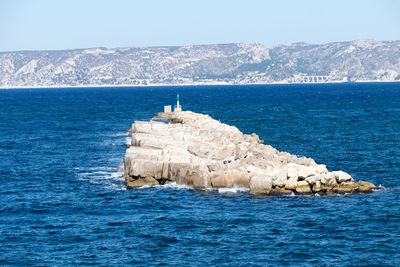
x=196, y=150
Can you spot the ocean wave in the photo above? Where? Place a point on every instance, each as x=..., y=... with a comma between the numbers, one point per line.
x=116, y=187
x=128, y=140
x=234, y=190
x=100, y=168
x=173, y=185
x=108, y=177
x=228, y=190
x=119, y=134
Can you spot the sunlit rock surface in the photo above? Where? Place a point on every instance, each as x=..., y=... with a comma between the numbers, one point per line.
x=196, y=150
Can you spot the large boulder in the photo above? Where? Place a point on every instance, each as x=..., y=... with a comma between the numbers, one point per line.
x=303, y=188
x=191, y=175
x=346, y=187
x=328, y=179
x=365, y=187
x=280, y=191
x=261, y=184
x=139, y=182
x=305, y=171
x=143, y=168
x=230, y=178
x=196, y=150
x=311, y=180
x=291, y=183
x=341, y=176
x=279, y=179
x=292, y=171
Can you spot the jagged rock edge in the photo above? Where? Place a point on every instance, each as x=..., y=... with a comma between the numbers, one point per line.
x=195, y=150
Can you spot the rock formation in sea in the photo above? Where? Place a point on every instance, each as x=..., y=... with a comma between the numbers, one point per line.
x=196, y=150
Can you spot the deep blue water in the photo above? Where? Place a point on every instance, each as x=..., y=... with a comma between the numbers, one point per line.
x=62, y=200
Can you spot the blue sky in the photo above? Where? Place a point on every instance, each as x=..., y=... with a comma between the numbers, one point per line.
x=58, y=24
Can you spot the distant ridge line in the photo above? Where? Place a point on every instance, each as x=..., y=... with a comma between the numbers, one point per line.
x=235, y=63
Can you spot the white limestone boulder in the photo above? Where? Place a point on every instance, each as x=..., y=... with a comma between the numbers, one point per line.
x=196, y=150
x=261, y=184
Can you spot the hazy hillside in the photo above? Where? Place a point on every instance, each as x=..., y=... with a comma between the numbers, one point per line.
x=224, y=63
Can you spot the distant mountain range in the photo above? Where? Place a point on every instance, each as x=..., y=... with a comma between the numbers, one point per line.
x=362, y=60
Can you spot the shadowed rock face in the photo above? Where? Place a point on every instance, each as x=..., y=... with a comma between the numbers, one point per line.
x=196, y=150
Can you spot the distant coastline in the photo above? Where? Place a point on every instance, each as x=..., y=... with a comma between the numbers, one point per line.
x=185, y=84
x=217, y=64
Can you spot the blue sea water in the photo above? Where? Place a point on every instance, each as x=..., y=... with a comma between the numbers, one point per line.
x=62, y=200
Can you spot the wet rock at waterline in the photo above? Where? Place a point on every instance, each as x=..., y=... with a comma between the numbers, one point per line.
x=196, y=150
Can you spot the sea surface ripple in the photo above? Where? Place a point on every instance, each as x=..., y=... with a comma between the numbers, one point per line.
x=62, y=199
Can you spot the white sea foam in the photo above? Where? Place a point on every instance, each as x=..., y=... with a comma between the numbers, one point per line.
x=116, y=187
x=98, y=172
x=128, y=140
x=175, y=186
x=100, y=168
x=107, y=134
x=168, y=186
x=228, y=190
x=108, y=177
x=225, y=190
x=144, y=187
x=119, y=134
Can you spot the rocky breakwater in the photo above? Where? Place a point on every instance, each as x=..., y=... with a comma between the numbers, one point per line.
x=196, y=150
